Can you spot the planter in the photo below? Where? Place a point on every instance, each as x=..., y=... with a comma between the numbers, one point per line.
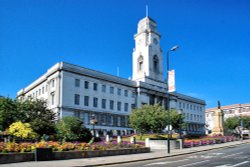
x=21, y=157
x=188, y=144
x=211, y=141
x=218, y=141
x=16, y=157
x=160, y=144
x=43, y=154
x=99, y=153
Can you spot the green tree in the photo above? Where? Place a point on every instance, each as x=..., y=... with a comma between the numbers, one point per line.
x=231, y=123
x=148, y=118
x=22, y=130
x=71, y=129
x=8, y=112
x=177, y=121
x=41, y=119
x=246, y=120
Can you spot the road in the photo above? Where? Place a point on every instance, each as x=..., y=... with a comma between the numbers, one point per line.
x=227, y=157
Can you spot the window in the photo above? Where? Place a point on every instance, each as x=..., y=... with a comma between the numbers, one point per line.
x=103, y=103
x=180, y=105
x=156, y=64
x=191, y=107
x=109, y=120
x=39, y=92
x=103, y=88
x=52, y=82
x=132, y=106
x=95, y=102
x=183, y=105
x=187, y=106
x=133, y=94
x=46, y=88
x=140, y=63
x=119, y=91
x=43, y=90
x=36, y=93
x=77, y=82
x=111, y=90
x=118, y=121
x=187, y=116
x=126, y=107
x=77, y=99
x=152, y=99
x=52, y=98
x=86, y=100
x=111, y=104
x=103, y=118
x=115, y=120
x=95, y=86
x=86, y=84
x=119, y=104
x=126, y=93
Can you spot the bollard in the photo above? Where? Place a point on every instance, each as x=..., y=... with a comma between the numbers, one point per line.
x=119, y=139
x=147, y=142
x=107, y=138
x=132, y=140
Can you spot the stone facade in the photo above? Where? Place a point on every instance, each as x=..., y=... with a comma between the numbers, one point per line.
x=72, y=90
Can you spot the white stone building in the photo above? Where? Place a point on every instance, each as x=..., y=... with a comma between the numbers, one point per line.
x=234, y=110
x=74, y=90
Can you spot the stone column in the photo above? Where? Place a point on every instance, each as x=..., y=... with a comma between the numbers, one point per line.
x=218, y=122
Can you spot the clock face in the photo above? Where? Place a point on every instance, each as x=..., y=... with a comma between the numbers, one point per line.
x=155, y=41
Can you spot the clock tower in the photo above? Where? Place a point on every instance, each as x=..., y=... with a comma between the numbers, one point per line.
x=147, y=54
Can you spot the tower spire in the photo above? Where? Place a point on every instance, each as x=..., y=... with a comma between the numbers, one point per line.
x=146, y=8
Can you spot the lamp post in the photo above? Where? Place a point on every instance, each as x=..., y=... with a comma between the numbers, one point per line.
x=168, y=99
x=93, y=122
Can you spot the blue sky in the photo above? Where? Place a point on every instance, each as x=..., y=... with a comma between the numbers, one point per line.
x=214, y=38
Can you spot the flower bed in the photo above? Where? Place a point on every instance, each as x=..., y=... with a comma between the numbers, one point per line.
x=13, y=152
x=11, y=147
x=208, y=140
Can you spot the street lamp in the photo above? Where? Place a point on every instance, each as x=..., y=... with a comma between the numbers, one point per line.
x=93, y=122
x=174, y=48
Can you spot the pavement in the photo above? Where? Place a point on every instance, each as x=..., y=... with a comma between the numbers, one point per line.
x=112, y=160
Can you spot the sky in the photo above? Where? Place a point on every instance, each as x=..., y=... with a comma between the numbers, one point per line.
x=212, y=62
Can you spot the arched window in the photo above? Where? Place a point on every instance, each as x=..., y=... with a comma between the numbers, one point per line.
x=156, y=64
x=140, y=63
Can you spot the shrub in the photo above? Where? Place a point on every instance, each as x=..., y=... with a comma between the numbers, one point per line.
x=71, y=129
x=22, y=130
